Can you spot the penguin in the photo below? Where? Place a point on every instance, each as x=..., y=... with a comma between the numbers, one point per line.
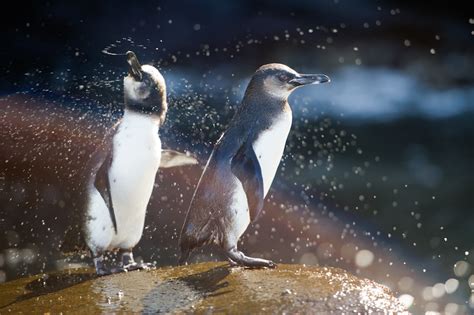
x=123, y=169
x=240, y=170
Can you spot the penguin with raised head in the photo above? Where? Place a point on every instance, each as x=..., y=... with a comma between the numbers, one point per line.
x=124, y=167
x=241, y=168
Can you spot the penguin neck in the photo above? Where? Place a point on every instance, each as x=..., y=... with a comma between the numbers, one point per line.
x=141, y=120
x=153, y=112
x=267, y=101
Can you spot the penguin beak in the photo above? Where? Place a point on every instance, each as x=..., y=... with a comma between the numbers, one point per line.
x=135, y=67
x=304, y=79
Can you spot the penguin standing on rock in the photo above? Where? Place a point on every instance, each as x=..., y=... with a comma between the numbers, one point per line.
x=124, y=167
x=241, y=168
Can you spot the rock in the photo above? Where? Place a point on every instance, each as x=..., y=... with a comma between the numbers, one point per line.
x=203, y=288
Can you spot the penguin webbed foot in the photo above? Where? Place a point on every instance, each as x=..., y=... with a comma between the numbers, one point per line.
x=232, y=263
x=103, y=272
x=238, y=258
x=100, y=268
x=138, y=266
x=129, y=263
x=131, y=267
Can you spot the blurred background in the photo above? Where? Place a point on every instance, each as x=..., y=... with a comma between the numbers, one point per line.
x=377, y=176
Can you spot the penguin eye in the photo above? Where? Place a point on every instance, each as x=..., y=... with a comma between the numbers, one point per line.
x=283, y=77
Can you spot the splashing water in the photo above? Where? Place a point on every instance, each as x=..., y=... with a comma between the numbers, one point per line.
x=353, y=190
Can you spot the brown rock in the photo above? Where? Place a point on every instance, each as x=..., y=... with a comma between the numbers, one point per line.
x=202, y=288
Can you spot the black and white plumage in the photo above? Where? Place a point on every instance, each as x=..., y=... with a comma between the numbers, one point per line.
x=241, y=168
x=124, y=167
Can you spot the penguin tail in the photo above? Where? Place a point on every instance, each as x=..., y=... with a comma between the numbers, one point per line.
x=187, y=243
x=183, y=259
x=192, y=238
x=186, y=246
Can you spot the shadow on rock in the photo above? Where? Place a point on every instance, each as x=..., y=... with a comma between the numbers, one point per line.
x=51, y=283
x=183, y=292
x=209, y=281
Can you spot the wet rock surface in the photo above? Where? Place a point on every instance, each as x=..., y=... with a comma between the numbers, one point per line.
x=202, y=288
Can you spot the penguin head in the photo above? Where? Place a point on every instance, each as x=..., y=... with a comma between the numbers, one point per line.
x=278, y=80
x=144, y=88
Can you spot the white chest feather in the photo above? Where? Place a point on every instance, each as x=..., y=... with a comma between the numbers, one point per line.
x=136, y=158
x=269, y=148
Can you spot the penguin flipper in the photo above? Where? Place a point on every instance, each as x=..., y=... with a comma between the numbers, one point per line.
x=103, y=186
x=246, y=167
x=171, y=158
x=99, y=165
